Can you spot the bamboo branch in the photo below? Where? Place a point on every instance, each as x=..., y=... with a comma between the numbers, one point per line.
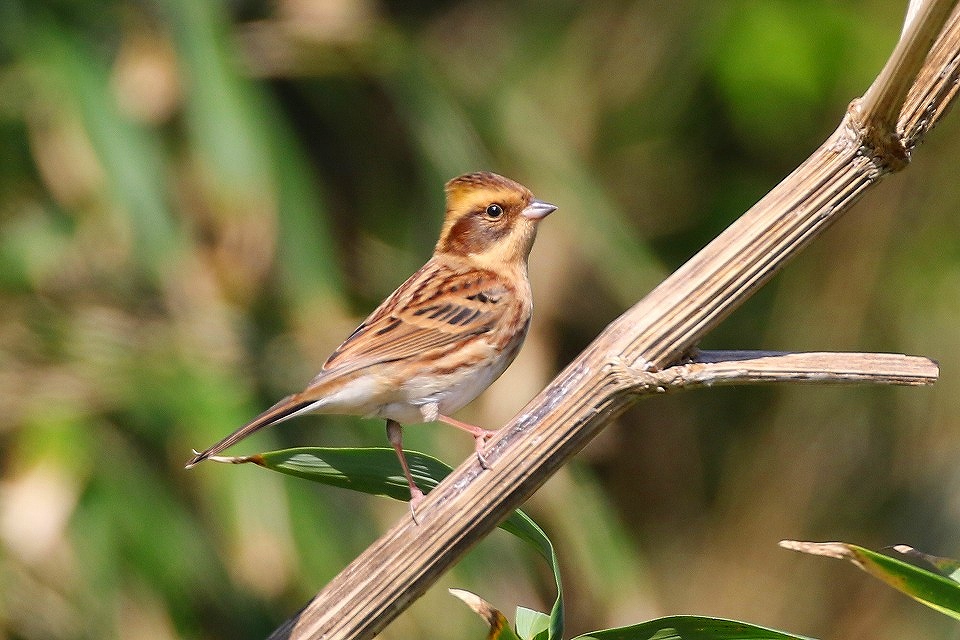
x=714, y=368
x=651, y=336
x=879, y=110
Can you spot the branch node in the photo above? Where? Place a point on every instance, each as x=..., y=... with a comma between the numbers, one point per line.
x=876, y=139
x=631, y=378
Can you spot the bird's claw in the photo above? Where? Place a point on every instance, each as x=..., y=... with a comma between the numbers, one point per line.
x=481, y=439
x=416, y=497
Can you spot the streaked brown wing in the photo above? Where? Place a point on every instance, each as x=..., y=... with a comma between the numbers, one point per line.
x=436, y=307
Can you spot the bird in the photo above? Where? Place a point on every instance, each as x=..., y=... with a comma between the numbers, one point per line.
x=443, y=336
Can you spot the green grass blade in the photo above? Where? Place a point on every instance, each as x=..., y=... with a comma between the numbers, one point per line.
x=373, y=470
x=257, y=166
x=522, y=526
x=928, y=587
x=130, y=155
x=947, y=567
x=690, y=628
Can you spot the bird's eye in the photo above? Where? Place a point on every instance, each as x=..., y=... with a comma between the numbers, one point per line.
x=494, y=211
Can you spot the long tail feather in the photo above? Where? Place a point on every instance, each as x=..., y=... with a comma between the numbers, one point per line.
x=284, y=409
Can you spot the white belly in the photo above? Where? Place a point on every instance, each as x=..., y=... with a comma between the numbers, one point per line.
x=423, y=397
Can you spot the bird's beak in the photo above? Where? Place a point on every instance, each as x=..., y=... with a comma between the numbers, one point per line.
x=538, y=209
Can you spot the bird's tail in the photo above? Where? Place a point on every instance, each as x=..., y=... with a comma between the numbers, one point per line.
x=286, y=408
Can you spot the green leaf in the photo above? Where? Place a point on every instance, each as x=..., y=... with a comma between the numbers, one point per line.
x=928, y=587
x=375, y=470
x=131, y=156
x=253, y=157
x=947, y=567
x=532, y=625
x=522, y=526
x=690, y=628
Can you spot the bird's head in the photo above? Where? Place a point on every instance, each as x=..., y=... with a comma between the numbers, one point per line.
x=491, y=219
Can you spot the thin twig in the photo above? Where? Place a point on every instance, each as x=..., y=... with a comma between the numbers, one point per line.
x=713, y=368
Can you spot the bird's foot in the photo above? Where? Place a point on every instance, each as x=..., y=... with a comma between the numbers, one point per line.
x=416, y=498
x=480, y=435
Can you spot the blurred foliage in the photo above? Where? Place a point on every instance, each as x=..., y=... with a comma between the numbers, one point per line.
x=199, y=199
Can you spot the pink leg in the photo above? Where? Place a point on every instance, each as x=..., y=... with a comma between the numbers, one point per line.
x=395, y=436
x=480, y=436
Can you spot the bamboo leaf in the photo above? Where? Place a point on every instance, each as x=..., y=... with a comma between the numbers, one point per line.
x=690, y=628
x=928, y=587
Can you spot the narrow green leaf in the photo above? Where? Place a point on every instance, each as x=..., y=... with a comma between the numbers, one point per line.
x=245, y=143
x=522, y=526
x=930, y=588
x=376, y=471
x=690, y=628
x=373, y=470
x=221, y=105
x=947, y=567
x=131, y=156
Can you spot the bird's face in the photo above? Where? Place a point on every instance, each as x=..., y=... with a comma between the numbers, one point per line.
x=490, y=219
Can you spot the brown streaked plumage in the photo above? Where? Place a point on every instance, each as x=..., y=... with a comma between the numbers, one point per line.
x=444, y=335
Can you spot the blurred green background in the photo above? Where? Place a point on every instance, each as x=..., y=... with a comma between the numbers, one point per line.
x=199, y=199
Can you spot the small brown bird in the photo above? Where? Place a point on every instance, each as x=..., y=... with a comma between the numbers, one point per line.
x=444, y=335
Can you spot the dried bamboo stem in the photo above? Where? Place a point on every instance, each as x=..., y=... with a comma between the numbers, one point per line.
x=651, y=336
x=714, y=368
